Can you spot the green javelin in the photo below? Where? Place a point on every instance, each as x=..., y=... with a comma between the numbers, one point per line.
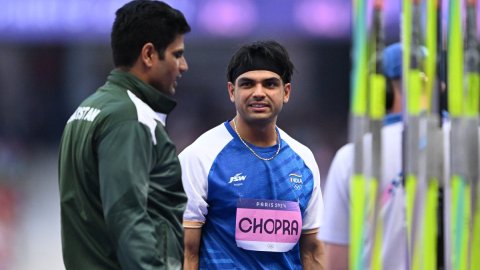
x=431, y=28
x=414, y=156
x=377, y=95
x=434, y=136
x=461, y=110
x=359, y=124
x=471, y=104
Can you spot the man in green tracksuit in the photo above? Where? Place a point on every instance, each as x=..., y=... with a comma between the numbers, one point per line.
x=122, y=198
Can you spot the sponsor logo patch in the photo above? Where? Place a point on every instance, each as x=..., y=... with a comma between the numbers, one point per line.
x=296, y=180
x=237, y=179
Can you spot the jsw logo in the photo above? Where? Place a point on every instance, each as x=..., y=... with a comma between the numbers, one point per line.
x=237, y=177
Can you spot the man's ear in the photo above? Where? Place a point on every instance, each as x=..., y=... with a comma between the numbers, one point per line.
x=231, y=91
x=287, y=89
x=148, y=54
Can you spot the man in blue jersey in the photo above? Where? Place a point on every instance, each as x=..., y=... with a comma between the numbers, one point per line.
x=254, y=197
x=335, y=232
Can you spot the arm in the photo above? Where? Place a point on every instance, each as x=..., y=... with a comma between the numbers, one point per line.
x=336, y=257
x=311, y=252
x=192, y=246
x=124, y=158
x=194, y=180
x=335, y=229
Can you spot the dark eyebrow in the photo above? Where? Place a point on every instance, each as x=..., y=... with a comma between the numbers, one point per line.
x=272, y=79
x=244, y=79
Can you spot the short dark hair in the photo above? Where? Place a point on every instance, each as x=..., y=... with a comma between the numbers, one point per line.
x=270, y=52
x=141, y=21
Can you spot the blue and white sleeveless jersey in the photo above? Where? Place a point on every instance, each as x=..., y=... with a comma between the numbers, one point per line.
x=218, y=170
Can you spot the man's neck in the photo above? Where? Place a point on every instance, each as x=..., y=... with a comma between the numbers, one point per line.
x=257, y=134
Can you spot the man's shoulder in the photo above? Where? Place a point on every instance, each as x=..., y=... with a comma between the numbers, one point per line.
x=210, y=141
x=296, y=145
x=209, y=136
x=115, y=105
x=346, y=151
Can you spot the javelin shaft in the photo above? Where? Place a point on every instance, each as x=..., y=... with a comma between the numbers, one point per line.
x=359, y=125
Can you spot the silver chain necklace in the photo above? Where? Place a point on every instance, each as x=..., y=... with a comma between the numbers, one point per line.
x=251, y=150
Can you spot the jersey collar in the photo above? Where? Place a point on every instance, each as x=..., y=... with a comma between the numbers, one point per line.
x=158, y=101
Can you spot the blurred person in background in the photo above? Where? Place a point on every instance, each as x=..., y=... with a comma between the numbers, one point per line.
x=121, y=192
x=254, y=196
x=336, y=228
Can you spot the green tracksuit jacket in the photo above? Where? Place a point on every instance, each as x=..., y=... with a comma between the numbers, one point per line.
x=121, y=192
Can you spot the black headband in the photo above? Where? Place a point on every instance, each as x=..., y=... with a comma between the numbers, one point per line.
x=257, y=63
